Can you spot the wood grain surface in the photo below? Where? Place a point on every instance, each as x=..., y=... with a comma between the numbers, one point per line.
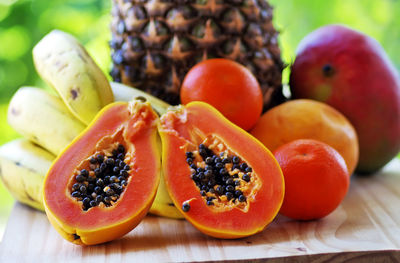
x=365, y=228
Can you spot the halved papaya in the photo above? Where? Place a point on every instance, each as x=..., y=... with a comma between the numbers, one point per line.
x=223, y=180
x=105, y=181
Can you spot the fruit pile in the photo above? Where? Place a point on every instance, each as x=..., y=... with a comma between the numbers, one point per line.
x=48, y=125
x=97, y=156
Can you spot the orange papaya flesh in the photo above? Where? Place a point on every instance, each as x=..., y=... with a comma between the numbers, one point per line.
x=184, y=132
x=132, y=125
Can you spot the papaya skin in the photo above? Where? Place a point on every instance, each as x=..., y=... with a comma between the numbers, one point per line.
x=186, y=126
x=136, y=124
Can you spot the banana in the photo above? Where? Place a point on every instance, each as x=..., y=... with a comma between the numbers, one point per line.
x=43, y=118
x=163, y=204
x=66, y=66
x=23, y=166
x=126, y=93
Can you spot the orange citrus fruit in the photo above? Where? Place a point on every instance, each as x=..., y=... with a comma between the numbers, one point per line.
x=316, y=179
x=228, y=86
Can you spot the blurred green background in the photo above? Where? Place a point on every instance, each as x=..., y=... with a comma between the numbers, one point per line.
x=24, y=22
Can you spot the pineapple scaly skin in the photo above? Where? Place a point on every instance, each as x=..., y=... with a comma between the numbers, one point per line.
x=155, y=42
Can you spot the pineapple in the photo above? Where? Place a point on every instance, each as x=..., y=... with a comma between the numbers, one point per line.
x=155, y=42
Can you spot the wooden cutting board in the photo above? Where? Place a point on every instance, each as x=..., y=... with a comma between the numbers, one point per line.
x=366, y=228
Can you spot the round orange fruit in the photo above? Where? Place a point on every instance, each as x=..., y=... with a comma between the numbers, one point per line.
x=228, y=86
x=316, y=179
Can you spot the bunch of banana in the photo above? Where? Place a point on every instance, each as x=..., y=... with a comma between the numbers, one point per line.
x=52, y=122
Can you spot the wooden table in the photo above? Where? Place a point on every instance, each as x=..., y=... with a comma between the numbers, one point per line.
x=365, y=228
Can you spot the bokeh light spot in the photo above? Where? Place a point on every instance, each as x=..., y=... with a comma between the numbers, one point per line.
x=15, y=42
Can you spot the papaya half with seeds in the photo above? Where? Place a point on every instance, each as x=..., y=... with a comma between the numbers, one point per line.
x=223, y=180
x=102, y=185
